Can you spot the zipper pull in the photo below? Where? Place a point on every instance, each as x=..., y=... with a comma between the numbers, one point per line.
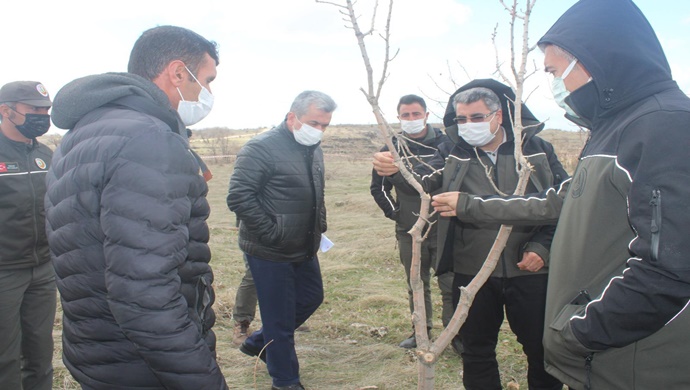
x=654, y=202
x=588, y=371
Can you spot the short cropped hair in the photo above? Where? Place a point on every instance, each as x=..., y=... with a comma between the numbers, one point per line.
x=411, y=99
x=476, y=94
x=158, y=46
x=304, y=100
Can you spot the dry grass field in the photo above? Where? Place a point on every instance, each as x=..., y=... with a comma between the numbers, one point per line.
x=354, y=334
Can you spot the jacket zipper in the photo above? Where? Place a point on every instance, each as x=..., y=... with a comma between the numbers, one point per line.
x=656, y=223
x=588, y=371
x=495, y=179
x=33, y=206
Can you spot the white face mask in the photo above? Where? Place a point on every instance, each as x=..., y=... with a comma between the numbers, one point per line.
x=192, y=112
x=307, y=135
x=476, y=134
x=560, y=92
x=412, y=127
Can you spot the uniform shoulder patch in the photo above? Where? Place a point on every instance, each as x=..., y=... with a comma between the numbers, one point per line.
x=40, y=163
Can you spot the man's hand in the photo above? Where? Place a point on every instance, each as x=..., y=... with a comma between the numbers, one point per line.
x=445, y=203
x=383, y=164
x=531, y=262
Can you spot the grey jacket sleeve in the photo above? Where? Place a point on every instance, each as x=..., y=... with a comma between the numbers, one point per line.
x=533, y=209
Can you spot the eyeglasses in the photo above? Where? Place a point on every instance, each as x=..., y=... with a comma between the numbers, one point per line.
x=476, y=118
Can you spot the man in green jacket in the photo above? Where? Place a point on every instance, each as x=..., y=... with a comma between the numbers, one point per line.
x=619, y=287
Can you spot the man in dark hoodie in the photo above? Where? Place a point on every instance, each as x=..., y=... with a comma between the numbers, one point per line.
x=619, y=288
x=126, y=211
x=402, y=206
x=478, y=124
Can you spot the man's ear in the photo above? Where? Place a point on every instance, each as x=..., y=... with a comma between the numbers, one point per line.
x=290, y=120
x=176, y=72
x=170, y=79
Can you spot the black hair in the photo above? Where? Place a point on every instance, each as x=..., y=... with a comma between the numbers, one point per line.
x=158, y=46
x=410, y=99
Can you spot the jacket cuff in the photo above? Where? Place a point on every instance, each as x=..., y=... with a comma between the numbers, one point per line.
x=396, y=179
x=538, y=249
x=572, y=343
x=392, y=215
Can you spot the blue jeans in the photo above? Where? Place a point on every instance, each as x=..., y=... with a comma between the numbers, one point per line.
x=289, y=293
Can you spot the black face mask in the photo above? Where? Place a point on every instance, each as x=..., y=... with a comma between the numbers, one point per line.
x=35, y=125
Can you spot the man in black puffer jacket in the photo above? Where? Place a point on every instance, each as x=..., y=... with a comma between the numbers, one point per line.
x=277, y=192
x=126, y=211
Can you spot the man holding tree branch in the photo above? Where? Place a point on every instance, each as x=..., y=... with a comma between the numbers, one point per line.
x=480, y=160
x=422, y=141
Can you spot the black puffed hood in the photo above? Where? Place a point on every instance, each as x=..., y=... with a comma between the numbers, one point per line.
x=613, y=40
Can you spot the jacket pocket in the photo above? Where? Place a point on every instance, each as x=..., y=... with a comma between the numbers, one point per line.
x=575, y=307
x=563, y=318
x=655, y=228
x=277, y=234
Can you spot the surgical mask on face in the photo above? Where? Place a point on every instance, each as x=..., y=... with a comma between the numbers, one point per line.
x=476, y=134
x=307, y=135
x=35, y=125
x=560, y=92
x=412, y=127
x=192, y=112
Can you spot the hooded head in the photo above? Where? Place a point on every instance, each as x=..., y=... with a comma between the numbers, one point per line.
x=625, y=67
x=505, y=95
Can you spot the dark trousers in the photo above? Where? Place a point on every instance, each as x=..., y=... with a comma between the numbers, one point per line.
x=27, y=312
x=524, y=299
x=289, y=293
x=445, y=281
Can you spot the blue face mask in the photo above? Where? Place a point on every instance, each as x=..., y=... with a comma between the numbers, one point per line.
x=307, y=135
x=559, y=91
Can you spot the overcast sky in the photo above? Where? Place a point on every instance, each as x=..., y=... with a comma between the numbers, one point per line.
x=270, y=50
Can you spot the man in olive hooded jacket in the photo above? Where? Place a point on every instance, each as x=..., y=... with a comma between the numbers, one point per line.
x=617, y=303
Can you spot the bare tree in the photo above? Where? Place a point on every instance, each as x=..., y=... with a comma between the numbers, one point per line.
x=427, y=352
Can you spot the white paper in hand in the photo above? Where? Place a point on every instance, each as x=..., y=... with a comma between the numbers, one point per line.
x=326, y=244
